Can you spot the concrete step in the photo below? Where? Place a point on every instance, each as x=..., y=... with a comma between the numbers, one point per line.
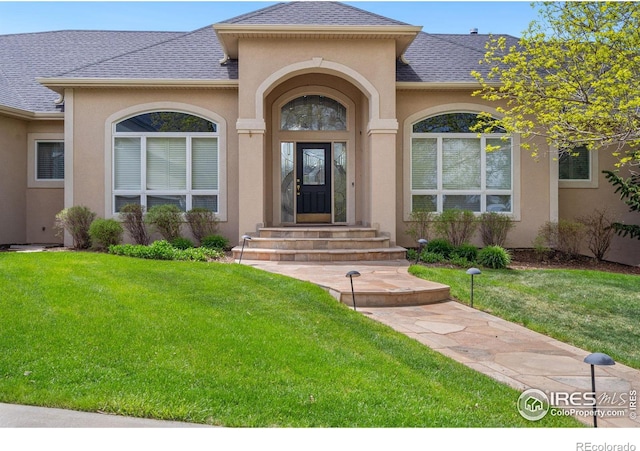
x=317, y=232
x=320, y=255
x=302, y=244
x=381, y=283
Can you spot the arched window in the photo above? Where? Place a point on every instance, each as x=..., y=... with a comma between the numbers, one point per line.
x=166, y=157
x=453, y=167
x=313, y=112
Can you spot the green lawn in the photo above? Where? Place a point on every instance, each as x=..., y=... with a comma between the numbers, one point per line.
x=593, y=310
x=222, y=344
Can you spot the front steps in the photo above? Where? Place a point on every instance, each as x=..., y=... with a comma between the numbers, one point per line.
x=318, y=244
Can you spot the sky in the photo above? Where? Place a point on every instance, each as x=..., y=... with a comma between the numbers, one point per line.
x=458, y=17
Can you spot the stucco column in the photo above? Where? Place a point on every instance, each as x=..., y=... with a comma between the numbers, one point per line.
x=382, y=146
x=251, y=206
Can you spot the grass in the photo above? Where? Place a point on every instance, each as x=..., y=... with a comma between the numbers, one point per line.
x=593, y=310
x=222, y=344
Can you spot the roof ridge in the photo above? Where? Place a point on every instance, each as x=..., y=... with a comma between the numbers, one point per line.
x=257, y=12
x=180, y=36
x=373, y=14
x=459, y=44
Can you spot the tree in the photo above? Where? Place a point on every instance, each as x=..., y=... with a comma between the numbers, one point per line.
x=629, y=190
x=573, y=78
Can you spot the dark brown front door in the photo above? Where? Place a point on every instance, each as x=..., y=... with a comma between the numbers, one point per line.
x=313, y=182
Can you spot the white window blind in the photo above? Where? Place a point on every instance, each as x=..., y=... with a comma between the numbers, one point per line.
x=461, y=163
x=127, y=163
x=204, y=163
x=424, y=163
x=166, y=164
x=50, y=160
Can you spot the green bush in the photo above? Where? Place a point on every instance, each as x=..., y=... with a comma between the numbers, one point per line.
x=167, y=220
x=456, y=226
x=202, y=223
x=494, y=228
x=76, y=220
x=215, y=242
x=412, y=255
x=132, y=218
x=182, y=243
x=460, y=262
x=494, y=257
x=432, y=257
x=467, y=251
x=440, y=246
x=105, y=232
x=163, y=250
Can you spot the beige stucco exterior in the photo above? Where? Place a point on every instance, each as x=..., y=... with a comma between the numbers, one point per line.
x=357, y=70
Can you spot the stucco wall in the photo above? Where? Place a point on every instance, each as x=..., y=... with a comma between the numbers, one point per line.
x=92, y=148
x=577, y=202
x=534, y=178
x=13, y=180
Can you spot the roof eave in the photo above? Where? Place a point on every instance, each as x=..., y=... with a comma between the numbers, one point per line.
x=59, y=84
x=229, y=34
x=19, y=113
x=434, y=85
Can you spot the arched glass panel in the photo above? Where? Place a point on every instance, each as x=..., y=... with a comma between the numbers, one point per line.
x=313, y=113
x=166, y=121
x=450, y=123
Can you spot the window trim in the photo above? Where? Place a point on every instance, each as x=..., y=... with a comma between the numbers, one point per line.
x=110, y=135
x=32, y=161
x=408, y=192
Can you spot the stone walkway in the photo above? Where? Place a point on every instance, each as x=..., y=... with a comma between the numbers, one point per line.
x=507, y=352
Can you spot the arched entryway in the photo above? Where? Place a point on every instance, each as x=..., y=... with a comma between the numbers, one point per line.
x=313, y=151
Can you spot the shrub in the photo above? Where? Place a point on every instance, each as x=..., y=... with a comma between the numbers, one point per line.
x=494, y=257
x=420, y=225
x=541, y=250
x=215, y=242
x=599, y=230
x=202, y=223
x=167, y=220
x=163, y=250
x=457, y=226
x=412, y=255
x=132, y=217
x=494, y=228
x=440, y=246
x=460, y=262
x=466, y=251
x=182, y=243
x=565, y=236
x=432, y=257
x=105, y=232
x=76, y=220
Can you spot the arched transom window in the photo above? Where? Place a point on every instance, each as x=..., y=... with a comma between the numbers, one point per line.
x=313, y=112
x=166, y=157
x=453, y=167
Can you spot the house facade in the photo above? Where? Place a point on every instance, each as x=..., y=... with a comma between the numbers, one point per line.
x=296, y=114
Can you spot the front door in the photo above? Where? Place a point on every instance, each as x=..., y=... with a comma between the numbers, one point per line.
x=313, y=183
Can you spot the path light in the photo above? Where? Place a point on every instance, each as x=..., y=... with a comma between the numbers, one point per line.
x=472, y=272
x=600, y=359
x=351, y=275
x=244, y=240
x=421, y=243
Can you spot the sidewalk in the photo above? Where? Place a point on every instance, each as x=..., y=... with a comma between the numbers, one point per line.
x=17, y=416
x=507, y=352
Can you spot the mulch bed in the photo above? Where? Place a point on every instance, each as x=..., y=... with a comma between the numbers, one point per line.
x=528, y=259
